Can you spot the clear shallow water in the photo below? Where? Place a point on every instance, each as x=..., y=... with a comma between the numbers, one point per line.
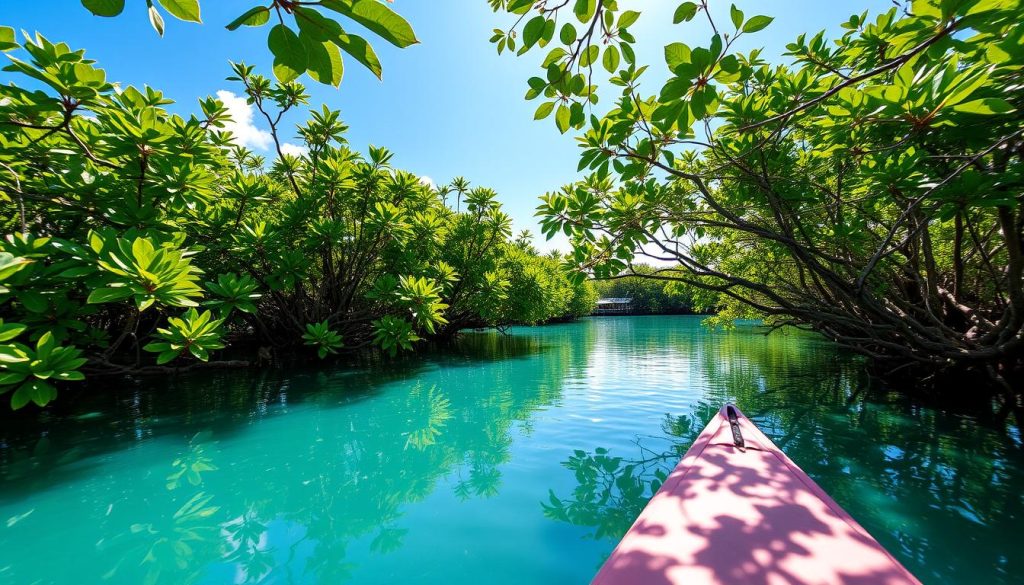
x=505, y=459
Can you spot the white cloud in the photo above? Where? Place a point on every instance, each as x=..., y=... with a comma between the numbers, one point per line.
x=428, y=182
x=244, y=130
x=293, y=149
x=245, y=133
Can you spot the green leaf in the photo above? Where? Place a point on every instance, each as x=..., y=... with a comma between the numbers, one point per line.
x=325, y=63
x=576, y=115
x=736, y=15
x=698, y=105
x=156, y=20
x=533, y=30
x=584, y=9
x=361, y=51
x=10, y=378
x=676, y=54
x=108, y=295
x=33, y=391
x=987, y=6
x=33, y=301
x=685, y=12
x=104, y=7
x=183, y=9
x=589, y=55
x=966, y=86
x=985, y=106
x=13, y=354
x=926, y=8
x=757, y=23
x=519, y=6
x=45, y=345
x=554, y=73
x=200, y=352
x=10, y=264
x=256, y=16
x=627, y=18
x=610, y=59
x=674, y=89
x=315, y=25
x=562, y=118
x=887, y=93
x=627, y=53
x=9, y=331
x=166, y=356
x=143, y=251
x=8, y=40
x=157, y=347
x=376, y=17
x=544, y=110
x=567, y=34
x=549, y=32
x=290, y=59
x=701, y=58
x=728, y=69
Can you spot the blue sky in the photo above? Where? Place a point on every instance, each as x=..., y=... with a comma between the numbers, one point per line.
x=449, y=106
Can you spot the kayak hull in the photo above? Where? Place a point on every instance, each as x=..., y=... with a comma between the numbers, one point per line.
x=728, y=515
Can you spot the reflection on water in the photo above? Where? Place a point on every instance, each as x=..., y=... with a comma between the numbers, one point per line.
x=505, y=459
x=175, y=546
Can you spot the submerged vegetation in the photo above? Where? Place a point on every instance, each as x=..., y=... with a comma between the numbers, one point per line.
x=870, y=190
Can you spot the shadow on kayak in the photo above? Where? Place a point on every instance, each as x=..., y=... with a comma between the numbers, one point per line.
x=738, y=510
x=940, y=491
x=736, y=550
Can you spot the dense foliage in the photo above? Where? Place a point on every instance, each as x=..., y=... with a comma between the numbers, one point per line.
x=539, y=288
x=308, y=36
x=870, y=190
x=137, y=237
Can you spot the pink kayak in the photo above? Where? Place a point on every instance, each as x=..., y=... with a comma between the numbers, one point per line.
x=737, y=511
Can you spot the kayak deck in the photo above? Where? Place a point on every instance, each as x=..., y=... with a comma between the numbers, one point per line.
x=733, y=516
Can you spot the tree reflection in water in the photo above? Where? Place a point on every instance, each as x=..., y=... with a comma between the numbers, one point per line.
x=285, y=505
x=926, y=484
x=404, y=469
x=175, y=547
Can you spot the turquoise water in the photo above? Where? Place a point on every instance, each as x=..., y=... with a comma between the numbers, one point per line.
x=504, y=459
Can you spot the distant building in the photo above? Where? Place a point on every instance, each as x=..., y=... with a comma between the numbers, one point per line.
x=614, y=306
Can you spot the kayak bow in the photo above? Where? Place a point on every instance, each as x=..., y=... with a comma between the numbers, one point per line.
x=737, y=511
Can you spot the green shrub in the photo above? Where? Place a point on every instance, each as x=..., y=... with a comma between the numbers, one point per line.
x=126, y=219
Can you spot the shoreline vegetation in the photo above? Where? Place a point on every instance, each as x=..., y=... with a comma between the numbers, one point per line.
x=870, y=190
x=146, y=242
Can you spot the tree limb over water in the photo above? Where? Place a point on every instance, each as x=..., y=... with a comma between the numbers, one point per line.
x=870, y=190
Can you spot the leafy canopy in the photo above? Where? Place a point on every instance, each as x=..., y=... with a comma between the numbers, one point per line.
x=869, y=189
x=144, y=241
x=308, y=37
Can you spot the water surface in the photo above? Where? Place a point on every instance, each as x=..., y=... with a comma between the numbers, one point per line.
x=504, y=459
